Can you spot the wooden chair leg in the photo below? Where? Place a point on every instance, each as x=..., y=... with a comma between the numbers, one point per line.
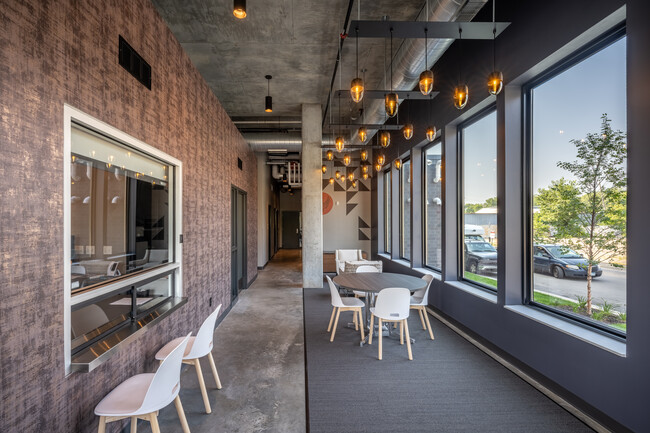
x=153, y=419
x=379, y=337
x=361, y=324
x=422, y=318
x=214, y=371
x=372, y=328
x=426, y=317
x=102, y=425
x=329, y=327
x=408, y=340
x=181, y=414
x=354, y=320
x=204, y=392
x=336, y=322
x=134, y=424
x=401, y=332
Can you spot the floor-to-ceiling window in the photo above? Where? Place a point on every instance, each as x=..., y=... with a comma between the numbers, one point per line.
x=478, y=231
x=387, y=211
x=578, y=185
x=432, y=204
x=405, y=210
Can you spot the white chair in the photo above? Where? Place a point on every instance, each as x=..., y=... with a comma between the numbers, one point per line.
x=86, y=319
x=197, y=348
x=419, y=301
x=342, y=256
x=364, y=269
x=78, y=269
x=344, y=304
x=392, y=305
x=143, y=395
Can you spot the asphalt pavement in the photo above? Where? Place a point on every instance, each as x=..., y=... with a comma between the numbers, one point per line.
x=610, y=287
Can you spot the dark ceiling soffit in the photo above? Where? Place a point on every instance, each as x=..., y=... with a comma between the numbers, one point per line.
x=435, y=29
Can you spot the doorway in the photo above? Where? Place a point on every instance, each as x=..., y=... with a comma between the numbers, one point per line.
x=238, y=245
x=291, y=230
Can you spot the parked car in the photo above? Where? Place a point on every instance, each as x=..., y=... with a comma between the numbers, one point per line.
x=474, y=233
x=561, y=261
x=480, y=256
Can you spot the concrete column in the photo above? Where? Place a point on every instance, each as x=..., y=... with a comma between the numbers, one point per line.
x=312, y=202
x=263, y=196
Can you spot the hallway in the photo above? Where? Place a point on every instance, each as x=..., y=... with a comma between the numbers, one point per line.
x=259, y=352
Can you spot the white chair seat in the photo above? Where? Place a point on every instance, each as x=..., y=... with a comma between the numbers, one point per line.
x=352, y=302
x=128, y=396
x=167, y=348
x=390, y=316
x=416, y=300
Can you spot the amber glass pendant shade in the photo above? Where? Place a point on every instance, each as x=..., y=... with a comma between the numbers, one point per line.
x=362, y=134
x=381, y=160
x=346, y=159
x=339, y=144
x=408, y=131
x=364, y=155
x=431, y=133
x=337, y=174
x=397, y=164
x=384, y=138
x=495, y=82
x=426, y=82
x=331, y=180
x=461, y=96
x=356, y=89
x=239, y=9
x=378, y=167
x=392, y=103
x=364, y=169
x=324, y=168
x=365, y=176
x=354, y=184
x=330, y=155
x=351, y=176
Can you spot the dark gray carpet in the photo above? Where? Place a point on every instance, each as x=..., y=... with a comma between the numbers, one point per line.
x=450, y=386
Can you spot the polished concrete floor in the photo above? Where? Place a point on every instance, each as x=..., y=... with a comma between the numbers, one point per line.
x=259, y=352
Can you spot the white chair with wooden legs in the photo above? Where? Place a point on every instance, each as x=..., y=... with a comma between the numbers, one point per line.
x=392, y=305
x=419, y=301
x=344, y=304
x=197, y=348
x=362, y=269
x=143, y=395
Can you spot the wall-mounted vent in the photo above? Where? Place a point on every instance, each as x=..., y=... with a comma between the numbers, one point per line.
x=134, y=63
x=240, y=164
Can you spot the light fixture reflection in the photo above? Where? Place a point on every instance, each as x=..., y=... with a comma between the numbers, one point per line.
x=431, y=133
x=384, y=139
x=408, y=131
x=461, y=96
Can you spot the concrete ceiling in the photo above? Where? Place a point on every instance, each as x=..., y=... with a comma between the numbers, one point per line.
x=295, y=41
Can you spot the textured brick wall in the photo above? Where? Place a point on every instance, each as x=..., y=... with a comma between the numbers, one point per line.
x=65, y=51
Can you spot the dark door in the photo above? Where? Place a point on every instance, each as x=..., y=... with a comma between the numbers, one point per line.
x=238, y=241
x=290, y=229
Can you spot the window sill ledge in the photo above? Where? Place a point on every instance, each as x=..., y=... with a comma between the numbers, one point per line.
x=480, y=293
x=100, y=352
x=427, y=271
x=606, y=342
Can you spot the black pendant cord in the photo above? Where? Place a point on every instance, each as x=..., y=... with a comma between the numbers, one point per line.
x=391, y=60
x=494, y=36
x=357, y=41
x=426, y=48
x=460, y=63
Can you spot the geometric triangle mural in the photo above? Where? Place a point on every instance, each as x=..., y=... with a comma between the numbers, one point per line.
x=362, y=224
x=350, y=207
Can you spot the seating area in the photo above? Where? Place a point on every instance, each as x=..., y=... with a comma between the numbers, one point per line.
x=324, y=216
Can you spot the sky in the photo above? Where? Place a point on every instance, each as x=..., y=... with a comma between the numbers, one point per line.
x=566, y=107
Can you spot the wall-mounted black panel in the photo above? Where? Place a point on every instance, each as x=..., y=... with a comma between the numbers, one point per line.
x=134, y=63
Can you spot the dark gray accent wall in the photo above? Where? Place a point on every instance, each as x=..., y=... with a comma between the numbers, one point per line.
x=614, y=388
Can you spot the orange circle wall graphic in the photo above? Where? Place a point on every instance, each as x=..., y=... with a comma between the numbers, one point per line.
x=328, y=203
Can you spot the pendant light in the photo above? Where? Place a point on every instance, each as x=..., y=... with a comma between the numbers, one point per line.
x=397, y=164
x=495, y=79
x=365, y=176
x=426, y=76
x=324, y=168
x=339, y=143
x=269, y=100
x=354, y=184
x=431, y=130
x=330, y=155
x=461, y=91
x=391, y=101
x=356, y=86
x=331, y=180
x=351, y=176
x=363, y=154
x=364, y=168
x=337, y=174
x=239, y=9
x=346, y=159
x=384, y=138
x=378, y=166
x=381, y=160
x=362, y=134
x=408, y=128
